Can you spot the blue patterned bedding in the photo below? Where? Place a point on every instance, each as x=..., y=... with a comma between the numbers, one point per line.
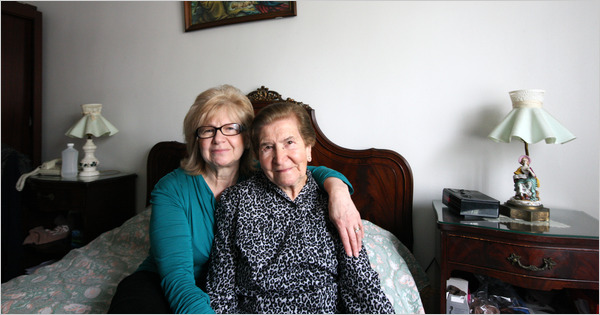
x=85, y=280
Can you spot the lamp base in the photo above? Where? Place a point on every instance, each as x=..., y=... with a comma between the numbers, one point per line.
x=89, y=161
x=90, y=172
x=526, y=213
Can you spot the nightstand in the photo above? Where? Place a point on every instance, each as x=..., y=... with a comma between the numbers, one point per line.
x=91, y=205
x=559, y=254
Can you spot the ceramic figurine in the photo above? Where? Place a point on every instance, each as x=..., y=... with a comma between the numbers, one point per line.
x=526, y=184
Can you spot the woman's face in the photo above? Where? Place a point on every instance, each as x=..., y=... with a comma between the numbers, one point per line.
x=283, y=155
x=222, y=151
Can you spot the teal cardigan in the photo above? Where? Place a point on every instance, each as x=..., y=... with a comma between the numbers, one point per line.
x=183, y=209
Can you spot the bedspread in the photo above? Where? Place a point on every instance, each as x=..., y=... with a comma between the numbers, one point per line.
x=85, y=280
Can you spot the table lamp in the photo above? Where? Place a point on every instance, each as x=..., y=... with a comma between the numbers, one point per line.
x=530, y=123
x=91, y=124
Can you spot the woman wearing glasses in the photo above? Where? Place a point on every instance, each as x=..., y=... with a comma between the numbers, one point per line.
x=172, y=278
x=275, y=251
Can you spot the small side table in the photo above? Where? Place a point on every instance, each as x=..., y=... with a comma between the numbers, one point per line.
x=92, y=205
x=562, y=253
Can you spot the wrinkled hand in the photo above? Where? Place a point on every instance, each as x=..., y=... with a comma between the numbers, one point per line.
x=346, y=218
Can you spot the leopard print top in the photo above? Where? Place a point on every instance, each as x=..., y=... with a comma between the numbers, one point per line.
x=272, y=254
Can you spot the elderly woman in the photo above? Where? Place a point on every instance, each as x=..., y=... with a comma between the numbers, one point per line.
x=275, y=251
x=183, y=204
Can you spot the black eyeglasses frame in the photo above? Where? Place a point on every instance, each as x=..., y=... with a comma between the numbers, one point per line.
x=240, y=128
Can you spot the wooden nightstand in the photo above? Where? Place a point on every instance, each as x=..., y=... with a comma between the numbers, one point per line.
x=561, y=254
x=90, y=205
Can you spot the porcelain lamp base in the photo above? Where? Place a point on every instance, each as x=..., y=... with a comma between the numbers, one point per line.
x=91, y=172
x=89, y=161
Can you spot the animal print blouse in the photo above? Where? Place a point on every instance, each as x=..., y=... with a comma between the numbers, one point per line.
x=272, y=254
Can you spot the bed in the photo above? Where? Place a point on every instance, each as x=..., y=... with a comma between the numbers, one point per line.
x=85, y=280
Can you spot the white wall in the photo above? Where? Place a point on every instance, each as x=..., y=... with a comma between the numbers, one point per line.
x=429, y=80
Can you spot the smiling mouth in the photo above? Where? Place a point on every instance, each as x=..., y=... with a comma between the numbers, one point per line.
x=219, y=151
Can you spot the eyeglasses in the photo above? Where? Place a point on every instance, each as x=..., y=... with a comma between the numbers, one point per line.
x=205, y=132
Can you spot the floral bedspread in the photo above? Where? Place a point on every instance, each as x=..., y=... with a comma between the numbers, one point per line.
x=85, y=280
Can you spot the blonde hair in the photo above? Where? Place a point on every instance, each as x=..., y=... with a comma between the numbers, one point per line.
x=206, y=106
x=279, y=111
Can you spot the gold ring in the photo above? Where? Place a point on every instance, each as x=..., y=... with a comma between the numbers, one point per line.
x=356, y=230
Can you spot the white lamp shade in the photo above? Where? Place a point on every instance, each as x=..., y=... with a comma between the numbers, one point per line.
x=92, y=123
x=529, y=122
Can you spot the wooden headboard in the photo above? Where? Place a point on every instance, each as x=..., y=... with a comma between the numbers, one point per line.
x=382, y=179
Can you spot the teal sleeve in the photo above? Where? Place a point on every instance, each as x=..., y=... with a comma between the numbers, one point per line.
x=171, y=243
x=321, y=173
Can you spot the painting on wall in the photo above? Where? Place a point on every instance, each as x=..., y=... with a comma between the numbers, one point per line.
x=205, y=14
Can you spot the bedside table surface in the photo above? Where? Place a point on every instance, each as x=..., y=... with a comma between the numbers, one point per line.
x=104, y=175
x=563, y=223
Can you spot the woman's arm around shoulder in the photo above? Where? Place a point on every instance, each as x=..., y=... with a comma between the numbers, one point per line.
x=342, y=211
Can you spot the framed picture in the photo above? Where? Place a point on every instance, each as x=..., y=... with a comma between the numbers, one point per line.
x=204, y=14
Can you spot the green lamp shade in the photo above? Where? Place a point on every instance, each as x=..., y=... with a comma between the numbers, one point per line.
x=92, y=123
x=529, y=122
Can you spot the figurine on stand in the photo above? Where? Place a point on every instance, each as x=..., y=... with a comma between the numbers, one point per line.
x=526, y=184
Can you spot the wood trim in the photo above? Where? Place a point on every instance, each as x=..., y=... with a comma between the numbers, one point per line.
x=29, y=12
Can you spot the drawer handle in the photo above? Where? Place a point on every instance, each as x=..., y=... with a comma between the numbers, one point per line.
x=516, y=260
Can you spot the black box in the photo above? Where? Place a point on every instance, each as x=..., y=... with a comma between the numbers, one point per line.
x=470, y=202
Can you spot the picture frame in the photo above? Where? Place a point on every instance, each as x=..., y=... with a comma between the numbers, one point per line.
x=204, y=14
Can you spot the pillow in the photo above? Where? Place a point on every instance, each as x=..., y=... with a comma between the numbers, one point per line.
x=397, y=269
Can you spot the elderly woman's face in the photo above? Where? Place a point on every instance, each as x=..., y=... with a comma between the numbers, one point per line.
x=283, y=155
x=221, y=151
